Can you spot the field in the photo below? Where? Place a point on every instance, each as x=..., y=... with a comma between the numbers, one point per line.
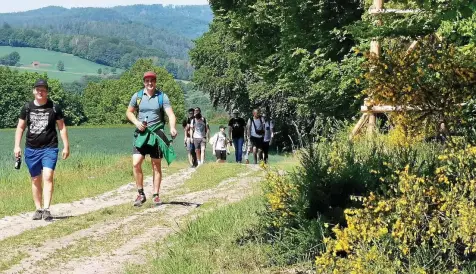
x=99, y=161
x=75, y=67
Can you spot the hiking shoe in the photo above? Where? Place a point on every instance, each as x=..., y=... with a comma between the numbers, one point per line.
x=140, y=200
x=157, y=200
x=47, y=215
x=38, y=215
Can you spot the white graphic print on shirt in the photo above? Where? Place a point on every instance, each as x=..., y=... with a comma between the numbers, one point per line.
x=39, y=121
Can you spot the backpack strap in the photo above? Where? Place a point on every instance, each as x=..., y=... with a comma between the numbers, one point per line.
x=140, y=94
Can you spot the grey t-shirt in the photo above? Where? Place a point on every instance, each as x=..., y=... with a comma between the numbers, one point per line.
x=149, y=107
x=199, y=128
x=220, y=143
x=269, y=126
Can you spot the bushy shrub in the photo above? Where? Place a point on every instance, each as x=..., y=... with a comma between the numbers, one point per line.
x=424, y=223
x=331, y=175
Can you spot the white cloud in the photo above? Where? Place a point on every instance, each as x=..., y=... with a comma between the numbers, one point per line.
x=14, y=6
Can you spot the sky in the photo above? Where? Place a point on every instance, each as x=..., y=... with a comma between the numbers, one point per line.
x=24, y=5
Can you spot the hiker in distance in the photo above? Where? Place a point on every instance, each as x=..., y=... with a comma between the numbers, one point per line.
x=255, y=129
x=268, y=136
x=200, y=132
x=188, y=140
x=220, y=145
x=41, y=116
x=151, y=105
x=237, y=132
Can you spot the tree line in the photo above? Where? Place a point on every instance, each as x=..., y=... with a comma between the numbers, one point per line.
x=302, y=61
x=95, y=101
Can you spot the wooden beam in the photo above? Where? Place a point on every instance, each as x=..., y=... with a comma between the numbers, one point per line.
x=363, y=119
x=374, y=11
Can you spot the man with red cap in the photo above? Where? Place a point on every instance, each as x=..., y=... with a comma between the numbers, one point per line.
x=151, y=105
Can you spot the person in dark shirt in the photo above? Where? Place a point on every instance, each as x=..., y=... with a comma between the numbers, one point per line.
x=188, y=141
x=236, y=131
x=41, y=116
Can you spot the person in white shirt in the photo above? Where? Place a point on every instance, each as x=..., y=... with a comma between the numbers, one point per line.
x=256, y=132
x=220, y=145
x=268, y=136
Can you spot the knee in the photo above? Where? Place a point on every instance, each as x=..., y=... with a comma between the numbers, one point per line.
x=137, y=166
x=36, y=180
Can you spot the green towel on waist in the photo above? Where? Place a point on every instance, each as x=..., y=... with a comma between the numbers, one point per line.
x=151, y=138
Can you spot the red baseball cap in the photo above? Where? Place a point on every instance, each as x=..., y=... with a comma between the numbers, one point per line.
x=150, y=74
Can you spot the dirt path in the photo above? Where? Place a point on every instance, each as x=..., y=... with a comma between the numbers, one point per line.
x=15, y=225
x=108, y=248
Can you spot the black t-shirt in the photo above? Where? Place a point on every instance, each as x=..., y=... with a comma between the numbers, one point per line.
x=237, y=127
x=41, y=124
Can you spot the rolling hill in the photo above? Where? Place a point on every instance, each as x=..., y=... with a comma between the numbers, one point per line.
x=112, y=36
x=46, y=61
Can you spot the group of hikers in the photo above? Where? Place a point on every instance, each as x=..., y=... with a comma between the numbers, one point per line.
x=253, y=137
x=41, y=117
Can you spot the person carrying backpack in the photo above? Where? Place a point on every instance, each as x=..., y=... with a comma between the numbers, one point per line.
x=188, y=141
x=199, y=130
x=268, y=136
x=41, y=116
x=220, y=145
x=237, y=132
x=149, y=137
x=256, y=130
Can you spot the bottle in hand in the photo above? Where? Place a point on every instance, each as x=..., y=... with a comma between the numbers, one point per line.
x=145, y=121
x=18, y=163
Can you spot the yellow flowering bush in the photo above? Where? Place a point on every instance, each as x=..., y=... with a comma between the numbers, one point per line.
x=422, y=224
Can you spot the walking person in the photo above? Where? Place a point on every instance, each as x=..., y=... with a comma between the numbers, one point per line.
x=41, y=116
x=237, y=131
x=188, y=141
x=151, y=105
x=220, y=145
x=199, y=133
x=255, y=129
x=268, y=136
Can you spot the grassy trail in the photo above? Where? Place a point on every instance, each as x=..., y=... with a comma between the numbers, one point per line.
x=109, y=239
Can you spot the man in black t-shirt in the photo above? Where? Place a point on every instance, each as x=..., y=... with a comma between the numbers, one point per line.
x=41, y=116
x=188, y=141
x=236, y=130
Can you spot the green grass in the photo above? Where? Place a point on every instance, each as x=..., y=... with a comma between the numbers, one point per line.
x=75, y=67
x=210, y=175
x=209, y=244
x=100, y=161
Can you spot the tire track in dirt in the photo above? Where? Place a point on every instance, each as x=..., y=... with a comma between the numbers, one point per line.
x=15, y=225
x=131, y=251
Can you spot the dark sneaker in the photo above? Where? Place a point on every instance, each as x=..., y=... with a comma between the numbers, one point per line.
x=157, y=200
x=140, y=200
x=47, y=215
x=38, y=215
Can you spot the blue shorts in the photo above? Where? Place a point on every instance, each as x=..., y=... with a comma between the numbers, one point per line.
x=37, y=159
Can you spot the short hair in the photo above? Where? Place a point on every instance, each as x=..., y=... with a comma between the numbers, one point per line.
x=222, y=126
x=191, y=110
x=197, y=108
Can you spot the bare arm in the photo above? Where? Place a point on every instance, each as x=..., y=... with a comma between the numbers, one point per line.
x=132, y=117
x=64, y=137
x=172, y=121
x=18, y=134
x=186, y=129
x=248, y=129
